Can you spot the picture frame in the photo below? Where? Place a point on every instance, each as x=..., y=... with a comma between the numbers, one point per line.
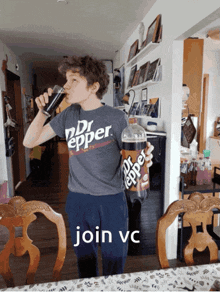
x=151, y=110
x=159, y=39
x=144, y=94
x=136, y=78
x=138, y=109
x=134, y=108
x=158, y=74
x=153, y=31
x=143, y=72
x=152, y=70
x=132, y=74
x=133, y=50
x=143, y=107
x=155, y=102
x=146, y=109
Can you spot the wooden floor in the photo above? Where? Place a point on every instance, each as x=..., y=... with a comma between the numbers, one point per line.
x=43, y=233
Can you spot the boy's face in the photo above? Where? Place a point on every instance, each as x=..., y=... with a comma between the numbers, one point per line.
x=76, y=88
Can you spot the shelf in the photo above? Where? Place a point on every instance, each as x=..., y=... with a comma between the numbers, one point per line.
x=143, y=116
x=200, y=189
x=146, y=50
x=145, y=84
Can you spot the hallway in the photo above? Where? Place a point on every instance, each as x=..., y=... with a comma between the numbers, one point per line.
x=43, y=233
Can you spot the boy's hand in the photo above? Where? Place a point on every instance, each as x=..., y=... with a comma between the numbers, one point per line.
x=148, y=153
x=43, y=99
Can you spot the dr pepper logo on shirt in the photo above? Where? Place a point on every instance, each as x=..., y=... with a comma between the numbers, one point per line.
x=81, y=136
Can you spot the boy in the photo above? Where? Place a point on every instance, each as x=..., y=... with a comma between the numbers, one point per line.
x=96, y=204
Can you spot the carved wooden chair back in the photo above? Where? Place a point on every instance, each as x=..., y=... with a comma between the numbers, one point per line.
x=197, y=211
x=17, y=213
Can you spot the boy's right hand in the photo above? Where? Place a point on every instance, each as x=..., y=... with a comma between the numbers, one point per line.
x=43, y=99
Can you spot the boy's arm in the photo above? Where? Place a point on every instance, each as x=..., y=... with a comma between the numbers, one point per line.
x=37, y=133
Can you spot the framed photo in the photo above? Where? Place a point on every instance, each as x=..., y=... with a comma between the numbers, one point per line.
x=136, y=78
x=159, y=39
x=138, y=109
x=144, y=94
x=151, y=110
x=133, y=50
x=143, y=107
x=155, y=108
x=131, y=77
x=146, y=109
x=158, y=74
x=134, y=108
x=143, y=72
x=152, y=70
x=153, y=31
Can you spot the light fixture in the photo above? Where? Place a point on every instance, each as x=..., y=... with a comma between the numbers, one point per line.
x=65, y=1
x=213, y=34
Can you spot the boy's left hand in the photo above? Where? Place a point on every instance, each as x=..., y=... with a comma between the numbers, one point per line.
x=148, y=153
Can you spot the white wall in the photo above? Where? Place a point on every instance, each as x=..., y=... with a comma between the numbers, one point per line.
x=180, y=19
x=3, y=163
x=211, y=66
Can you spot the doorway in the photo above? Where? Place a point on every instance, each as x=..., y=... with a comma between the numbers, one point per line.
x=13, y=91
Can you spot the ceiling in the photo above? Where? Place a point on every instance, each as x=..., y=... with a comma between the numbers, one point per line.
x=43, y=31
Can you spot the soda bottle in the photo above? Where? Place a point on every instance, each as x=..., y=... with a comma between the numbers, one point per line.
x=193, y=172
x=205, y=173
x=135, y=170
x=184, y=173
x=200, y=172
x=208, y=171
x=207, y=167
x=189, y=172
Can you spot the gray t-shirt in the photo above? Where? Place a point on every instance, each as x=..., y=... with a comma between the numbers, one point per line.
x=94, y=142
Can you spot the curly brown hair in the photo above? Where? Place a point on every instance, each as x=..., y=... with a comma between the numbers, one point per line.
x=92, y=69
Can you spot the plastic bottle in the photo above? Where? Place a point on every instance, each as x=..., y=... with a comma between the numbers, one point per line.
x=205, y=176
x=189, y=172
x=193, y=171
x=136, y=173
x=184, y=173
x=207, y=171
x=207, y=168
x=200, y=170
x=193, y=148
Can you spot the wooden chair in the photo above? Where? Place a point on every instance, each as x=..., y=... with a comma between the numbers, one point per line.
x=17, y=213
x=197, y=211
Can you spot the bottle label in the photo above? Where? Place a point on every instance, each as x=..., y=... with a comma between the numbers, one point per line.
x=136, y=175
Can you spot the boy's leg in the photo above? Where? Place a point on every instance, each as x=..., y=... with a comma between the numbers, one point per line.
x=114, y=218
x=83, y=219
